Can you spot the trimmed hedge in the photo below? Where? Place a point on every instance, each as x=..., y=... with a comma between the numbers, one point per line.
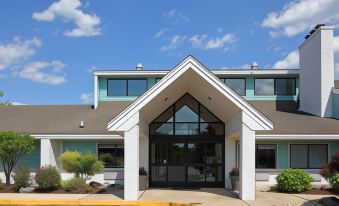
x=294, y=180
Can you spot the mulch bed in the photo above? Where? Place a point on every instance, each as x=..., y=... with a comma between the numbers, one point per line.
x=80, y=190
x=321, y=192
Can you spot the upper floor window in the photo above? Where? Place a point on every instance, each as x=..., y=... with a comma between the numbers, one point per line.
x=285, y=86
x=238, y=85
x=126, y=87
x=264, y=86
x=274, y=86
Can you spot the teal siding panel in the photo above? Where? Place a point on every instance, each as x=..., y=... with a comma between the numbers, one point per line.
x=334, y=147
x=151, y=82
x=335, y=105
x=282, y=155
x=80, y=146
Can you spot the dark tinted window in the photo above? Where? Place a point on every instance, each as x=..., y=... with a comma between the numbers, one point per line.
x=308, y=156
x=266, y=156
x=264, y=87
x=111, y=155
x=116, y=87
x=238, y=85
x=285, y=86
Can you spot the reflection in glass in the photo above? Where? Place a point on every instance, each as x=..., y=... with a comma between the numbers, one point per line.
x=211, y=174
x=238, y=85
x=136, y=87
x=264, y=87
x=159, y=173
x=195, y=153
x=176, y=153
x=186, y=128
x=159, y=153
x=196, y=173
x=116, y=87
x=285, y=86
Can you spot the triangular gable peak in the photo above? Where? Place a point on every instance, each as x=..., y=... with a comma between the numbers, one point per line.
x=194, y=65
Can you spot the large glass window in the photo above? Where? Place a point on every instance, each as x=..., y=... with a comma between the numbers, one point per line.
x=264, y=86
x=112, y=155
x=285, y=86
x=126, y=87
x=238, y=85
x=266, y=156
x=187, y=117
x=308, y=156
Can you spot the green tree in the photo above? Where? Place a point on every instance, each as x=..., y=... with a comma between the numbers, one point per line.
x=4, y=103
x=13, y=147
x=82, y=165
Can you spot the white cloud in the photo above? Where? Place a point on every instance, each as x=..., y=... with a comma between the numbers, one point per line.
x=174, y=42
x=17, y=51
x=18, y=103
x=87, y=98
x=245, y=66
x=161, y=32
x=291, y=61
x=300, y=15
x=203, y=42
x=175, y=14
x=336, y=67
x=70, y=11
x=36, y=71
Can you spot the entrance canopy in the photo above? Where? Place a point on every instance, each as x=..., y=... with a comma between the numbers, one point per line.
x=191, y=77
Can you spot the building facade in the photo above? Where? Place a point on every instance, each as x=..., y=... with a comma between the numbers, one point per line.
x=189, y=126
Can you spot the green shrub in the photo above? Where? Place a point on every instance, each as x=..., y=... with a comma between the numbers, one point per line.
x=294, y=180
x=72, y=184
x=21, y=177
x=82, y=165
x=2, y=185
x=334, y=180
x=47, y=178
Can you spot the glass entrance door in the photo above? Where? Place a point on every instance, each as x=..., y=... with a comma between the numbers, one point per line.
x=187, y=164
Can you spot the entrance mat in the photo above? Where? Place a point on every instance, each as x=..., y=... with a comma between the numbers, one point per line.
x=89, y=203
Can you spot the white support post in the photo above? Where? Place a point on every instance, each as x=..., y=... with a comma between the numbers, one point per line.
x=46, y=149
x=247, y=163
x=230, y=157
x=131, y=170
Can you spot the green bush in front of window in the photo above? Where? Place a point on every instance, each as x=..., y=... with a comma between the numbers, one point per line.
x=334, y=180
x=294, y=180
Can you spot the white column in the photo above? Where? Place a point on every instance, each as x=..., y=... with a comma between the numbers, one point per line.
x=230, y=156
x=247, y=163
x=49, y=152
x=131, y=164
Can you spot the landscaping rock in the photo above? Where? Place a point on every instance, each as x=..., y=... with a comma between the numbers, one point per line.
x=95, y=184
x=26, y=189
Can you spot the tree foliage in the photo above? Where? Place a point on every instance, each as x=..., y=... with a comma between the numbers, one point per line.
x=82, y=165
x=4, y=103
x=13, y=147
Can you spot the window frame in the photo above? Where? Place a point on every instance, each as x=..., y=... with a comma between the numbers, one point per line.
x=274, y=87
x=114, y=146
x=308, y=154
x=126, y=84
x=275, y=158
x=224, y=80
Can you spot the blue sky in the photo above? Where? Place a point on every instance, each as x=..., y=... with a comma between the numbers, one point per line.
x=48, y=49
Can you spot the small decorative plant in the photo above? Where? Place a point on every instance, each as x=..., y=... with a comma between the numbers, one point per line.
x=72, y=184
x=334, y=181
x=142, y=171
x=331, y=172
x=294, y=180
x=234, y=176
x=234, y=172
x=21, y=177
x=48, y=178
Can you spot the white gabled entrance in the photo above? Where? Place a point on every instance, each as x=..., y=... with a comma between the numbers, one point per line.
x=239, y=117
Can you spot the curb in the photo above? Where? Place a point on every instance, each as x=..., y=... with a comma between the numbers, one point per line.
x=90, y=203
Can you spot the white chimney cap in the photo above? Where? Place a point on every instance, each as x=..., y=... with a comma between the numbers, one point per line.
x=81, y=124
x=254, y=65
x=139, y=66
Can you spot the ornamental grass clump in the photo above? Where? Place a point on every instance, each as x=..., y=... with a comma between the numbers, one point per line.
x=294, y=180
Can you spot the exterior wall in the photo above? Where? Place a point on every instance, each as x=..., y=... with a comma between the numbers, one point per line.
x=317, y=72
x=335, y=105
